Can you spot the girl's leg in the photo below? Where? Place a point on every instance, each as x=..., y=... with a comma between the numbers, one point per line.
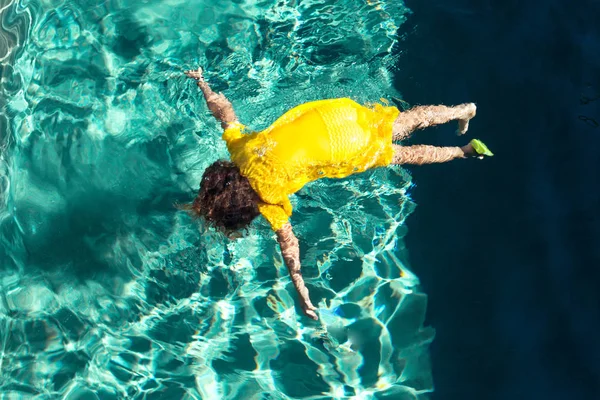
x=422, y=154
x=423, y=116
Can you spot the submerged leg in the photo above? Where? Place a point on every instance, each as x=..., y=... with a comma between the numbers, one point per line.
x=423, y=116
x=423, y=154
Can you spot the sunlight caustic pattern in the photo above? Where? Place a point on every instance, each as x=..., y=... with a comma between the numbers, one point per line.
x=107, y=291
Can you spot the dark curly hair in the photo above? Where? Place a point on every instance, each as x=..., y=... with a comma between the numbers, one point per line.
x=225, y=199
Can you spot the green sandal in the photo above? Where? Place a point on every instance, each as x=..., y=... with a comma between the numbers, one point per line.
x=480, y=148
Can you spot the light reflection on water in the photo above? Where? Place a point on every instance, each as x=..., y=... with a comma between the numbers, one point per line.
x=107, y=291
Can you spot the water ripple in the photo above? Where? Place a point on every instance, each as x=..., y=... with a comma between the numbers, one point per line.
x=107, y=291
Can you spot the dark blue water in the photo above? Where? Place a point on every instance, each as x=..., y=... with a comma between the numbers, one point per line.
x=508, y=249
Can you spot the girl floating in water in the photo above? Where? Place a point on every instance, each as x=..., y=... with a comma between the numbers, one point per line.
x=322, y=139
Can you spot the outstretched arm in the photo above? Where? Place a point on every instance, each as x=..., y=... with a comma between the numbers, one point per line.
x=218, y=104
x=291, y=256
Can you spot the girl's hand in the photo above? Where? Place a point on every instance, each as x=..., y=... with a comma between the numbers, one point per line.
x=309, y=310
x=197, y=74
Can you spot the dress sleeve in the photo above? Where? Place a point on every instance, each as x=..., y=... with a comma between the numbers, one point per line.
x=233, y=132
x=275, y=214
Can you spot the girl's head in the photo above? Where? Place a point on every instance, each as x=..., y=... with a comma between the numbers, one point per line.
x=225, y=199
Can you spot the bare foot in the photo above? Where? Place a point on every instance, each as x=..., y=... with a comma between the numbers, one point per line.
x=197, y=74
x=463, y=124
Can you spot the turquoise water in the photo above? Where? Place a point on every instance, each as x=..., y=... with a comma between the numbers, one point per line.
x=107, y=291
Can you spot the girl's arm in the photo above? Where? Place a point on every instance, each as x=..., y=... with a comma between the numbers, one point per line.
x=291, y=256
x=218, y=104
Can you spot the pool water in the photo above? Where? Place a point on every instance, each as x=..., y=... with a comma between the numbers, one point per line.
x=108, y=291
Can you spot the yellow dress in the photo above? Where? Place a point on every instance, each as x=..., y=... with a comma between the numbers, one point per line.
x=321, y=139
